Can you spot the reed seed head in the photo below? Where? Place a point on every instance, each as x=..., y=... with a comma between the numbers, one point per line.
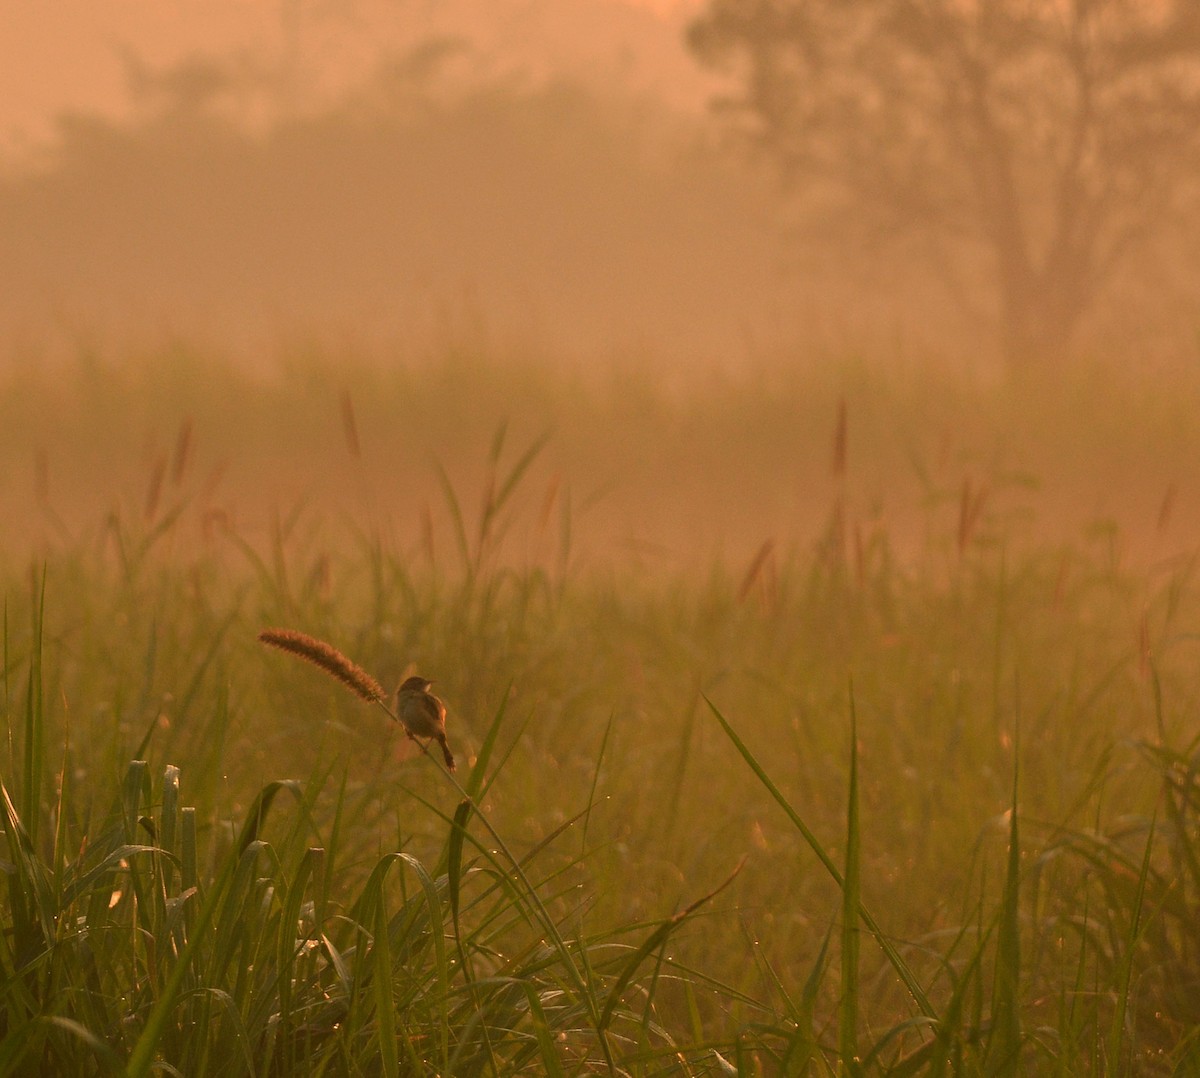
x=328, y=658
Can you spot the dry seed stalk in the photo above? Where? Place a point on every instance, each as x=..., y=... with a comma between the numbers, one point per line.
x=839, y=441
x=328, y=658
x=183, y=451
x=154, y=493
x=759, y=563
x=350, y=427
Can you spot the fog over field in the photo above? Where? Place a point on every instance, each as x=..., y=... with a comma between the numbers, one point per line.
x=754, y=443
x=567, y=187
x=528, y=176
x=551, y=178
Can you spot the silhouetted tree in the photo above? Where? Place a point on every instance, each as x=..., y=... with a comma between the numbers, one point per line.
x=1057, y=136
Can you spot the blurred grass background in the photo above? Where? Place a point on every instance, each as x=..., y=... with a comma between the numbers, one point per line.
x=674, y=469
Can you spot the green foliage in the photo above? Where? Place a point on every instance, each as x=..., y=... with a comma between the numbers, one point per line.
x=218, y=860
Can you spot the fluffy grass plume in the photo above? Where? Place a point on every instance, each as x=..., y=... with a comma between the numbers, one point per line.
x=328, y=658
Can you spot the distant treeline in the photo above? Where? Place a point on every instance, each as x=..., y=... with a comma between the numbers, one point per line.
x=426, y=211
x=538, y=214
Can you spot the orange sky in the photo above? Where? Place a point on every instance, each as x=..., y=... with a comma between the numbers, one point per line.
x=66, y=55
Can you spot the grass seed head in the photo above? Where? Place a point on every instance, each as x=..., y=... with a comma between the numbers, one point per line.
x=328, y=658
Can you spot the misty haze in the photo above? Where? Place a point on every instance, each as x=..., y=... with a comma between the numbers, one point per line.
x=600, y=536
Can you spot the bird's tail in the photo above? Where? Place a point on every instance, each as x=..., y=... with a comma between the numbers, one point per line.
x=449, y=756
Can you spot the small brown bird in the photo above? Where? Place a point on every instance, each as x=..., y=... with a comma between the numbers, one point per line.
x=423, y=714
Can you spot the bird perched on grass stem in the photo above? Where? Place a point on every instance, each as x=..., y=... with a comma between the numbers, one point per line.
x=423, y=714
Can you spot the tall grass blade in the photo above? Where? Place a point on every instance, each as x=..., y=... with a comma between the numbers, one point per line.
x=519, y=469
x=454, y=870
x=495, y=499
x=1003, y=1053
x=24, y=1040
x=479, y=781
x=803, y=1047
x=141, y=1059
x=62, y=812
x=905, y=974
x=168, y=817
x=215, y=641
x=7, y=688
x=31, y=901
x=476, y=787
x=96, y=874
x=551, y=1066
x=601, y=754
x=385, y=1003
x=456, y=515
x=655, y=940
x=372, y=910
x=288, y=944
x=35, y=730
x=947, y=1031
x=851, y=901
x=188, y=848
x=1120, y=1054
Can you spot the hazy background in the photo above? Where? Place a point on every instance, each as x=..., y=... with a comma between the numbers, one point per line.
x=342, y=195
x=252, y=175
x=542, y=176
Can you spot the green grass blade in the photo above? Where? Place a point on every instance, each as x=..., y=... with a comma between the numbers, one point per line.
x=385, y=1003
x=188, y=848
x=551, y=1065
x=287, y=944
x=437, y=933
x=35, y=725
x=803, y=1045
x=168, y=816
x=1120, y=1055
x=851, y=902
x=947, y=1031
x=519, y=469
x=31, y=903
x=905, y=974
x=454, y=870
x=141, y=1059
x=480, y=781
x=1004, y=1045
x=456, y=515
x=651, y=944
x=601, y=754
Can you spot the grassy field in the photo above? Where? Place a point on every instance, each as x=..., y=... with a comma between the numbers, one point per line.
x=818, y=722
